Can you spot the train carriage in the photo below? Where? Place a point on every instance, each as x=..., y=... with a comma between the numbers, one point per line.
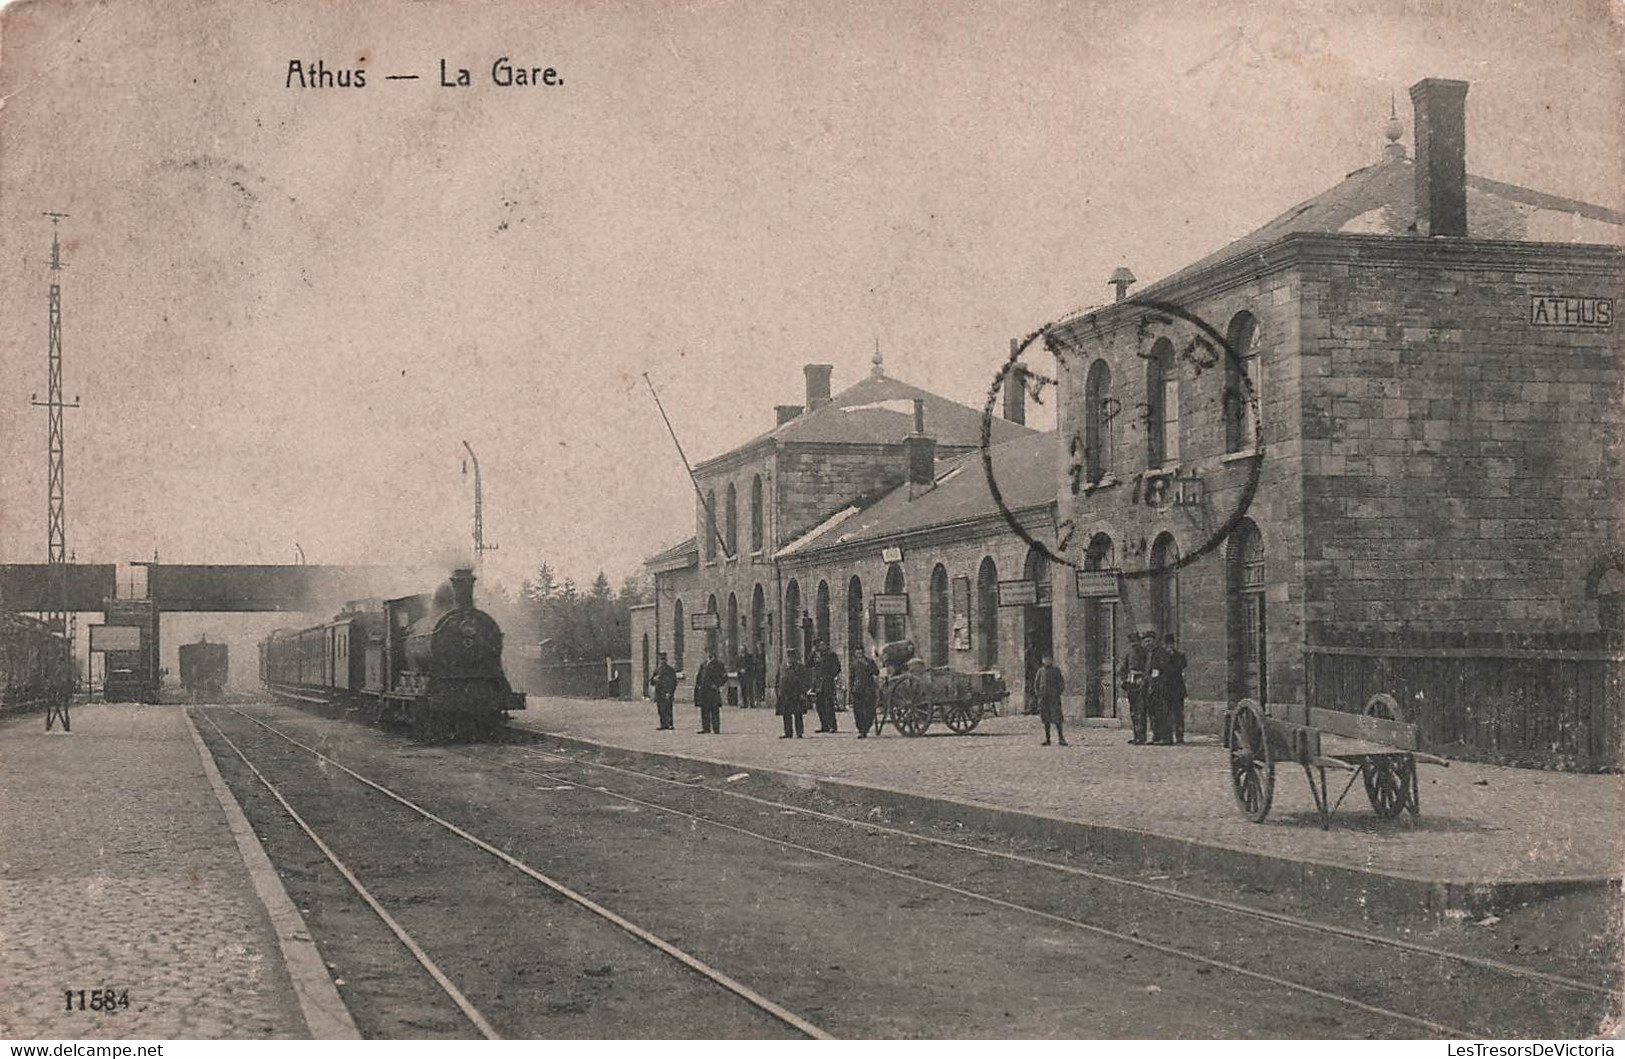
x=36, y=664
x=205, y=667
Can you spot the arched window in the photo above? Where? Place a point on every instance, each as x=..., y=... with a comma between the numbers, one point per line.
x=709, y=520
x=677, y=636
x=1165, y=587
x=896, y=627
x=758, y=612
x=792, y=620
x=1243, y=385
x=756, y=513
x=854, y=615
x=821, y=613
x=939, y=616
x=1249, y=663
x=712, y=637
x=1097, y=423
x=1162, y=399
x=731, y=640
x=730, y=522
x=987, y=614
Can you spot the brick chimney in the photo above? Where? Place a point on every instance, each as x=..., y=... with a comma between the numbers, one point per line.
x=1015, y=389
x=920, y=450
x=786, y=412
x=1441, y=156
x=817, y=385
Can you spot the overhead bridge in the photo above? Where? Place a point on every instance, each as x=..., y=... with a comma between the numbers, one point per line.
x=35, y=587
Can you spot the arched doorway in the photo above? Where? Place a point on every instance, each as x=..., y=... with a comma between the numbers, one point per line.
x=1249, y=659
x=854, y=615
x=677, y=636
x=896, y=625
x=987, y=614
x=1165, y=587
x=940, y=618
x=1038, y=626
x=758, y=610
x=821, y=613
x=792, y=621
x=713, y=638
x=645, y=684
x=1099, y=638
x=732, y=639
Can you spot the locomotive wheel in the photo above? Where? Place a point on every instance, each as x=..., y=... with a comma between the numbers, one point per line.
x=911, y=714
x=1252, y=762
x=961, y=719
x=1387, y=786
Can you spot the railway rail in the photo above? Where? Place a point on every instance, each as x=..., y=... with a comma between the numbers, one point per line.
x=474, y=1016
x=1280, y=919
x=1384, y=1000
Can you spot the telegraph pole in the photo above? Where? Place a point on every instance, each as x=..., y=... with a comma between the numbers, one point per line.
x=480, y=547
x=56, y=518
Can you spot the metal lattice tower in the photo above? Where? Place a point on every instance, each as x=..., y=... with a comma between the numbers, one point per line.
x=56, y=519
x=480, y=547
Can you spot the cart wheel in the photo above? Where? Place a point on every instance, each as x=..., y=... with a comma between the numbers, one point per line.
x=1386, y=785
x=1385, y=706
x=1252, y=763
x=962, y=718
x=911, y=714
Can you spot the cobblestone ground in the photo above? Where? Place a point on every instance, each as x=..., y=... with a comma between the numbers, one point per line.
x=1479, y=822
x=117, y=870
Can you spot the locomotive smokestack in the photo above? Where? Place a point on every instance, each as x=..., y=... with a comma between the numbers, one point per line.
x=462, y=589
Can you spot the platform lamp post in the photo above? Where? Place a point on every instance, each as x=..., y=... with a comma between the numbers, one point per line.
x=480, y=547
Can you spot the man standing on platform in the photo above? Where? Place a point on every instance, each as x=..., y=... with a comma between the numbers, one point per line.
x=1133, y=673
x=708, y=684
x=664, y=682
x=826, y=667
x=1172, y=686
x=792, y=696
x=1048, y=685
x=865, y=686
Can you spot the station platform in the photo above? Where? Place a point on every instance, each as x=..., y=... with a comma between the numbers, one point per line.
x=121, y=869
x=1485, y=834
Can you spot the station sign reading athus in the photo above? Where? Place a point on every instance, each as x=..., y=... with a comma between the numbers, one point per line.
x=1555, y=310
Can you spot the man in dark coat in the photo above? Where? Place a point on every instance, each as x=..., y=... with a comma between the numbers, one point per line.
x=792, y=696
x=1171, y=687
x=664, y=682
x=1048, y=685
x=865, y=677
x=1134, y=675
x=708, y=684
x=826, y=667
x=747, y=680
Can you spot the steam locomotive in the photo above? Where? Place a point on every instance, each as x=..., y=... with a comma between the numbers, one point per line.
x=204, y=668
x=432, y=661
x=36, y=664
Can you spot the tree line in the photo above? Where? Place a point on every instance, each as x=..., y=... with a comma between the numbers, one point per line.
x=576, y=626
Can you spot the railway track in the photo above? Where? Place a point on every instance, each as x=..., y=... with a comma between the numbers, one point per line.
x=1384, y=996
x=475, y=1017
x=1496, y=975
x=1279, y=919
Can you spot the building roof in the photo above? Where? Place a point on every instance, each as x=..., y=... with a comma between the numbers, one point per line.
x=1024, y=468
x=879, y=410
x=1380, y=200
x=682, y=554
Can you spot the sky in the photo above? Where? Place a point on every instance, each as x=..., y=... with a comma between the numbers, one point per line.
x=285, y=309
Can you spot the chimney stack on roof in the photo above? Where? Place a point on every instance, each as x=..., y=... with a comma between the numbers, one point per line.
x=1015, y=388
x=1122, y=279
x=817, y=385
x=920, y=450
x=1441, y=156
x=786, y=412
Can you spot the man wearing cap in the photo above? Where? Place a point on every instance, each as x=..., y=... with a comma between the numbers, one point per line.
x=1048, y=685
x=664, y=682
x=1134, y=673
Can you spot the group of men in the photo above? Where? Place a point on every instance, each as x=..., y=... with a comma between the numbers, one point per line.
x=1153, y=673
x=800, y=687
